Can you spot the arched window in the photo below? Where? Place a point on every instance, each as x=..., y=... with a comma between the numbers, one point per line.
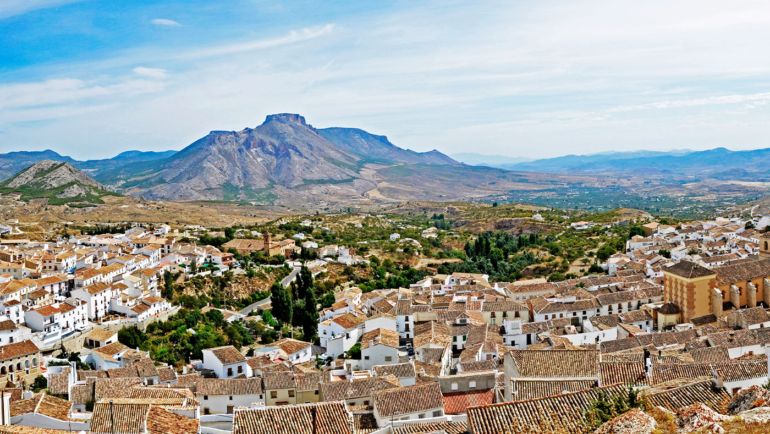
x=26, y=364
x=3, y=371
x=766, y=246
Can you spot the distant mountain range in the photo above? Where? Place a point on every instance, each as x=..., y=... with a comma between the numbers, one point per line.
x=606, y=161
x=499, y=161
x=288, y=162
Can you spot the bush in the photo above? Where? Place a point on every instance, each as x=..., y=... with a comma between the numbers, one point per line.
x=132, y=337
x=355, y=352
x=39, y=384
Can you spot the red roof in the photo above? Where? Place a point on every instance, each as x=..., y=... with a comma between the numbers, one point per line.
x=458, y=402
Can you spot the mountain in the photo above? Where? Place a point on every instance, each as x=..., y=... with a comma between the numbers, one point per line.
x=498, y=161
x=378, y=148
x=13, y=162
x=59, y=182
x=592, y=162
x=282, y=157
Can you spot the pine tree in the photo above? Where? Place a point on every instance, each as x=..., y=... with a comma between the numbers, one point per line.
x=281, y=302
x=310, y=318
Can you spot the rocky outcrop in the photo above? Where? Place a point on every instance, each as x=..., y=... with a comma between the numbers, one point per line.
x=634, y=421
x=748, y=399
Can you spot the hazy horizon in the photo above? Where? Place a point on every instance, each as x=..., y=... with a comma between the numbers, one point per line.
x=92, y=79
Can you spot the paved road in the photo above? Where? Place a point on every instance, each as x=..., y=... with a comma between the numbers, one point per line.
x=288, y=279
x=254, y=306
x=285, y=283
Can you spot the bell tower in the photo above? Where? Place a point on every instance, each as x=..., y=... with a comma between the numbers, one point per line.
x=764, y=245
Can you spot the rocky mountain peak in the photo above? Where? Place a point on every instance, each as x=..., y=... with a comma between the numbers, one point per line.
x=286, y=118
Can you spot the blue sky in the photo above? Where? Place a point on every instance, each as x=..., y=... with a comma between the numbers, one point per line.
x=93, y=78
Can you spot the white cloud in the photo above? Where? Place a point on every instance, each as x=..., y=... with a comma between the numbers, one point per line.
x=757, y=99
x=10, y=8
x=290, y=38
x=150, y=72
x=512, y=78
x=162, y=22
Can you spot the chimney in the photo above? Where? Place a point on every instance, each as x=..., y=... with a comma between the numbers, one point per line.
x=647, y=363
x=717, y=381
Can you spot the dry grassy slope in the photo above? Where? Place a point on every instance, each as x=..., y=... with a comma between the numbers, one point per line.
x=119, y=209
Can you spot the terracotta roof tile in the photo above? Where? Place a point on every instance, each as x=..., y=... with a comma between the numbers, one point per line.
x=330, y=418
x=410, y=399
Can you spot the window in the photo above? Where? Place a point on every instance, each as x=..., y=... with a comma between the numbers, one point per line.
x=454, y=338
x=231, y=397
x=240, y=369
x=366, y=357
x=291, y=393
x=472, y=385
x=366, y=403
x=421, y=416
x=437, y=413
x=205, y=397
x=388, y=358
x=229, y=372
x=454, y=386
x=274, y=394
x=316, y=392
x=229, y=409
x=206, y=410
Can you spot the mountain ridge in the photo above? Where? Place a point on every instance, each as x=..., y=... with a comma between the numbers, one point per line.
x=59, y=182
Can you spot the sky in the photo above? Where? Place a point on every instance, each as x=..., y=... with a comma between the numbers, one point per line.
x=91, y=78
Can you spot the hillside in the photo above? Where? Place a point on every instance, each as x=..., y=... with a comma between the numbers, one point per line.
x=59, y=182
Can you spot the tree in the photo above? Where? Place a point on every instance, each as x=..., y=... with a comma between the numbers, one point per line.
x=605, y=252
x=39, y=384
x=310, y=317
x=193, y=267
x=636, y=230
x=665, y=253
x=131, y=337
x=355, y=352
x=216, y=318
x=168, y=287
x=281, y=301
x=749, y=225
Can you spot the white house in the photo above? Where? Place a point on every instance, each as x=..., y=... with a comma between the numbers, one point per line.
x=97, y=298
x=223, y=395
x=379, y=347
x=340, y=334
x=295, y=351
x=226, y=362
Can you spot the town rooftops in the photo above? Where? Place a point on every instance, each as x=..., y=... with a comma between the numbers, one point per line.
x=18, y=349
x=407, y=400
x=290, y=346
x=348, y=320
x=556, y=363
x=227, y=355
x=318, y=418
x=101, y=335
x=689, y=270
x=385, y=337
